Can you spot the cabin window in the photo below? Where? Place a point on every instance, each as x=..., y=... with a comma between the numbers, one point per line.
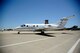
x=49, y=25
x=33, y=25
x=36, y=25
x=27, y=26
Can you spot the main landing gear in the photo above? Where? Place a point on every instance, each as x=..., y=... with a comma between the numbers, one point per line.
x=18, y=32
x=42, y=32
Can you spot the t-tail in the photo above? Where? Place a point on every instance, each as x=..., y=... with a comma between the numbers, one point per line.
x=63, y=21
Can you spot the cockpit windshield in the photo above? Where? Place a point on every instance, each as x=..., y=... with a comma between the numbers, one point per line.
x=23, y=25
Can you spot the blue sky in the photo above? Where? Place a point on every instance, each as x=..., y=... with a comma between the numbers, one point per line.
x=17, y=12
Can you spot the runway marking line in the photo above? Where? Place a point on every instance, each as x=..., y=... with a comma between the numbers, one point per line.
x=74, y=46
x=24, y=42
x=59, y=45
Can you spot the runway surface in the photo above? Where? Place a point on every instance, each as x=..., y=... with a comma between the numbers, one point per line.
x=34, y=42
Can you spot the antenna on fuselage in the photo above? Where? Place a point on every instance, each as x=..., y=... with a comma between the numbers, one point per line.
x=46, y=22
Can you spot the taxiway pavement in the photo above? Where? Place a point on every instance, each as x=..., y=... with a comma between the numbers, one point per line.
x=34, y=42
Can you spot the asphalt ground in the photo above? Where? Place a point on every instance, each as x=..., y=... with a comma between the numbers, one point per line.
x=34, y=42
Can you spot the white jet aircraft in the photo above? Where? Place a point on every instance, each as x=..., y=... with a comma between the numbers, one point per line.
x=43, y=27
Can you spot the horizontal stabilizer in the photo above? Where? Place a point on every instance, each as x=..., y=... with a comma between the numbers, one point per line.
x=69, y=17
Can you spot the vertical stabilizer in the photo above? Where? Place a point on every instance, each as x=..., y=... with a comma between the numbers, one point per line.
x=63, y=21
